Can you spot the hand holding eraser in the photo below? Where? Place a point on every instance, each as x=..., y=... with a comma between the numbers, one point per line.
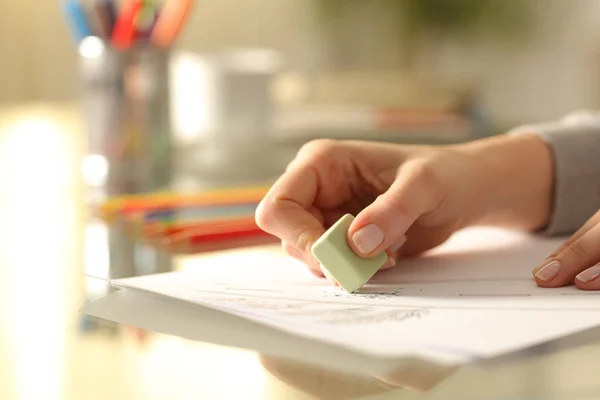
x=334, y=253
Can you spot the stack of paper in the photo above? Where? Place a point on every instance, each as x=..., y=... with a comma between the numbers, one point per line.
x=470, y=300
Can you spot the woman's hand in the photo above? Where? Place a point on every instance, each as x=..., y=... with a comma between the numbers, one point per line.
x=406, y=199
x=576, y=261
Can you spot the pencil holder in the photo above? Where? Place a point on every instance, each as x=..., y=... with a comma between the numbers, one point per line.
x=126, y=105
x=126, y=101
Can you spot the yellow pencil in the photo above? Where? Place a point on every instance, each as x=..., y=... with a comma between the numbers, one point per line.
x=130, y=203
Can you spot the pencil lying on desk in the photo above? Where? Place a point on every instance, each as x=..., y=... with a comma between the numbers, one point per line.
x=163, y=221
x=158, y=201
x=200, y=213
x=189, y=223
x=225, y=224
x=205, y=235
x=188, y=243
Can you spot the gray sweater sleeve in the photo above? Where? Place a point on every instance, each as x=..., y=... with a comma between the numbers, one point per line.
x=575, y=145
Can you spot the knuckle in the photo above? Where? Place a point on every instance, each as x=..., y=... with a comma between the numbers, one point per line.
x=288, y=248
x=395, y=203
x=558, y=252
x=577, y=251
x=425, y=171
x=304, y=240
x=264, y=215
x=320, y=148
x=291, y=164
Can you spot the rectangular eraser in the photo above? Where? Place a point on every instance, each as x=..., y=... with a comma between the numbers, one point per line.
x=334, y=253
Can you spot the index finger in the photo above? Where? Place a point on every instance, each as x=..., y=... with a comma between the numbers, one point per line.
x=590, y=223
x=284, y=211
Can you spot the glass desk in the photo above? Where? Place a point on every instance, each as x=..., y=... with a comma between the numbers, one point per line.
x=48, y=352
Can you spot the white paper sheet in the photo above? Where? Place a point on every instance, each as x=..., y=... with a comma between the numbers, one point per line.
x=471, y=299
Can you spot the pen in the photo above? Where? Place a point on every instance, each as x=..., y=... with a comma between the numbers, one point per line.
x=172, y=17
x=123, y=34
x=77, y=20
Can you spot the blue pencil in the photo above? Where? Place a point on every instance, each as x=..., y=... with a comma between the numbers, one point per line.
x=77, y=20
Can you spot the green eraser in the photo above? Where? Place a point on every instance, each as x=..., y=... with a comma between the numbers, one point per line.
x=332, y=250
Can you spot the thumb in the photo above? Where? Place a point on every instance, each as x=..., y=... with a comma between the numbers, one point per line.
x=385, y=222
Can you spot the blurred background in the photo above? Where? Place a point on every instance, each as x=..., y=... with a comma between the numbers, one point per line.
x=544, y=69
x=227, y=105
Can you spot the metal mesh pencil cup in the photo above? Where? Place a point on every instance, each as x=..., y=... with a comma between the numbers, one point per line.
x=126, y=103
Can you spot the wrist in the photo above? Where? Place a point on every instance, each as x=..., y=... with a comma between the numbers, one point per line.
x=513, y=179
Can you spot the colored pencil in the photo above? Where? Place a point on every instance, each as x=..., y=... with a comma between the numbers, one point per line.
x=105, y=16
x=137, y=203
x=136, y=21
x=235, y=225
x=196, y=244
x=229, y=223
x=172, y=17
x=145, y=21
x=123, y=34
x=77, y=20
x=200, y=213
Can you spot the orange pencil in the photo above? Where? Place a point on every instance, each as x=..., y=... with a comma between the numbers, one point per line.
x=170, y=21
x=232, y=225
x=155, y=201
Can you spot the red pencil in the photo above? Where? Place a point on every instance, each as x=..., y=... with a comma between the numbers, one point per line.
x=190, y=244
x=199, y=246
x=197, y=239
x=201, y=227
x=125, y=27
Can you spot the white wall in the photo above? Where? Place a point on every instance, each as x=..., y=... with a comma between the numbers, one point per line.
x=557, y=72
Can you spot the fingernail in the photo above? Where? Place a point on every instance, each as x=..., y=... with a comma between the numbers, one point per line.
x=548, y=271
x=389, y=263
x=589, y=274
x=368, y=238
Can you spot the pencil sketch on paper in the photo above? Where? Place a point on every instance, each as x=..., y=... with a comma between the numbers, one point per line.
x=376, y=316
x=321, y=312
x=364, y=293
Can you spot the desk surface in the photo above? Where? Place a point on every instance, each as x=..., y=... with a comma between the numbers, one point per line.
x=48, y=353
